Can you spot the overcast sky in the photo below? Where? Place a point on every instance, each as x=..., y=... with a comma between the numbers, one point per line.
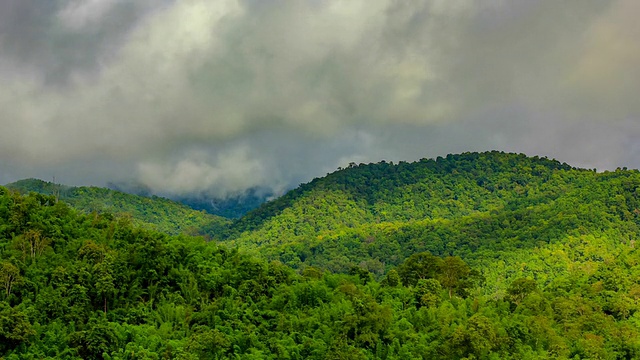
x=223, y=95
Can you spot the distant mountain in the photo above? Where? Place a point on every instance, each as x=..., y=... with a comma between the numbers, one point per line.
x=152, y=212
x=130, y=187
x=232, y=206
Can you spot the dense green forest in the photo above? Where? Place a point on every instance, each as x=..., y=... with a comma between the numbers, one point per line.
x=472, y=256
x=151, y=212
x=473, y=205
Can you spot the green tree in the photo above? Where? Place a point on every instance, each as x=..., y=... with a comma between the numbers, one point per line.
x=427, y=292
x=9, y=276
x=419, y=266
x=104, y=280
x=454, y=275
x=519, y=289
x=392, y=279
x=15, y=327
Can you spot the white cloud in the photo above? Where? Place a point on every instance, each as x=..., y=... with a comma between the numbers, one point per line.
x=231, y=171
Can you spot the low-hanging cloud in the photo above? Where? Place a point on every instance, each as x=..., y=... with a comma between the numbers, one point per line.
x=232, y=171
x=194, y=95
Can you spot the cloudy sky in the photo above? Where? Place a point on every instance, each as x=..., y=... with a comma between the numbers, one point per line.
x=223, y=95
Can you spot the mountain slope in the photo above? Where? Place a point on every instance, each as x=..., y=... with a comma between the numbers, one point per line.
x=377, y=215
x=152, y=212
x=440, y=188
x=87, y=286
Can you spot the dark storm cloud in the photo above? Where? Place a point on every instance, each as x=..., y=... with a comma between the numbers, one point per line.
x=58, y=38
x=226, y=95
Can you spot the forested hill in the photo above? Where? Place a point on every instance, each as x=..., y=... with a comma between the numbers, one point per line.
x=442, y=187
x=474, y=205
x=152, y=212
x=473, y=256
x=551, y=271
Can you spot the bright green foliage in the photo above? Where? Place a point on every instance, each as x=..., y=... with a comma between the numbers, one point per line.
x=540, y=264
x=15, y=328
x=519, y=289
x=419, y=266
x=427, y=292
x=392, y=279
x=454, y=275
x=475, y=206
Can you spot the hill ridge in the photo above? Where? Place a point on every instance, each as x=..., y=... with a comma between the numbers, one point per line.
x=492, y=201
x=439, y=165
x=155, y=212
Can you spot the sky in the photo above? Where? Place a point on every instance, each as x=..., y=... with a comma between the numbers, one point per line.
x=219, y=96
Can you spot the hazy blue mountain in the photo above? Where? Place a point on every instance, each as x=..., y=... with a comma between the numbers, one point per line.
x=233, y=207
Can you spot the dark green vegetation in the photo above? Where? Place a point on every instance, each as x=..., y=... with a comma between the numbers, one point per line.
x=476, y=256
x=150, y=212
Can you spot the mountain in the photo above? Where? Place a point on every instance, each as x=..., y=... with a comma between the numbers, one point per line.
x=152, y=212
x=442, y=187
x=548, y=267
x=231, y=206
x=473, y=205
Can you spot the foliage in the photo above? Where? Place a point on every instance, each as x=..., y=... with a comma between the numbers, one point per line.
x=536, y=260
x=152, y=212
x=474, y=205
